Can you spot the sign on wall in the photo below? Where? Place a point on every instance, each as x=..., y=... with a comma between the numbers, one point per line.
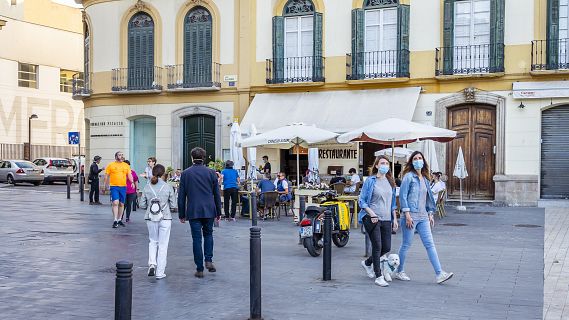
x=348, y=154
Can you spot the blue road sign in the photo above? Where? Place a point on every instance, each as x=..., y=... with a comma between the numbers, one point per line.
x=73, y=137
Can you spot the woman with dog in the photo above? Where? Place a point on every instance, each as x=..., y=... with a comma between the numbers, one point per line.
x=377, y=200
x=418, y=206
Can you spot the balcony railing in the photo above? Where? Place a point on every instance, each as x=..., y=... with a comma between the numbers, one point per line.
x=550, y=55
x=377, y=65
x=134, y=80
x=194, y=77
x=295, y=70
x=82, y=85
x=469, y=60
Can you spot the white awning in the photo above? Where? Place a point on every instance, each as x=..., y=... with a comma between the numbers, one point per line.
x=540, y=90
x=336, y=111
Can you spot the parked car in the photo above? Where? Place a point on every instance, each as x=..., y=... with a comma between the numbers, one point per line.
x=75, y=162
x=55, y=169
x=16, y=171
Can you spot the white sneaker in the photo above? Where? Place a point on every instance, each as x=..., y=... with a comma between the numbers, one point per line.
x=162, y=276
x=381, y=282
x=401, y=276
x=444, y=276
x=369, y=270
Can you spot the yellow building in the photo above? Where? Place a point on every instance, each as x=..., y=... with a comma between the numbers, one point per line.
x=40, y=51
x=165, y=76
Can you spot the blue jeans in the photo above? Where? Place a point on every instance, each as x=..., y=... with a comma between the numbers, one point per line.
x=424, y=230
x=199, y=226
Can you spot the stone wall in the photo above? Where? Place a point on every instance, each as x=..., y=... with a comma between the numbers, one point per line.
x=516, y=190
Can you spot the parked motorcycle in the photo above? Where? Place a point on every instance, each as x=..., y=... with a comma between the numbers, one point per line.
x=312, y=225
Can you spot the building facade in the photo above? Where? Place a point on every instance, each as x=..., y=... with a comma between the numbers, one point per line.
x=39, y=54
x=164, y=76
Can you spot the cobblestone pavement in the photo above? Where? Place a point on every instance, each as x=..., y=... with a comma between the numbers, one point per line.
x=57, y=262
x=556, y=261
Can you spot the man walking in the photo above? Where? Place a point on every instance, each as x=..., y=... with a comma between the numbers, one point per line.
x=199, y=202
x=117, y=174
x=94, y=181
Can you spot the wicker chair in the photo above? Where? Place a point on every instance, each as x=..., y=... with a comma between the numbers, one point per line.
x=339, y=187
x=441, y=203
x=269, y=203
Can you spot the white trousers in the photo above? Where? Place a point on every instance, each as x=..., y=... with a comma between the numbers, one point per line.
x=159, y=236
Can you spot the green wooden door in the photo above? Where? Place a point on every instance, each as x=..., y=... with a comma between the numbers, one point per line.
x=197, y=48
x=199, y=131
x=140, y=52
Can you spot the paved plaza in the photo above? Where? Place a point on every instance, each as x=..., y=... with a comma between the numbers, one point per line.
x=58, y=255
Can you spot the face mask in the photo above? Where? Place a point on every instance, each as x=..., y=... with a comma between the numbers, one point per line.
x=418, y=164
x=383, y=169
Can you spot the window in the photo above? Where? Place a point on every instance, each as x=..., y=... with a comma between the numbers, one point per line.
x=563, y=34
x=66, y=80
x=198, y=48
x=299, y=43
x=86, y=56
x=27, y=75
x=381, y=41
x=140, y=52
x=472, y=36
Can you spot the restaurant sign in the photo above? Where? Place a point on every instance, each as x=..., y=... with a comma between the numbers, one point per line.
x=337, y=154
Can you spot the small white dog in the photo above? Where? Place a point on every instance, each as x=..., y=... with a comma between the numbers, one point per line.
x=388, y=265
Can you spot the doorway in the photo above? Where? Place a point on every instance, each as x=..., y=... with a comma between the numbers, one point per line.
x=199, y=131
x=554, y=181
x=142, y=143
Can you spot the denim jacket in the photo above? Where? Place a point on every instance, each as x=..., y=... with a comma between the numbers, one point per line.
x=409, y=194
x=365, y=198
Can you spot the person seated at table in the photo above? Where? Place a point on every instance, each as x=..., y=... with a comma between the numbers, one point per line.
x=437, y=185
x=353, y=181
x=265, y=185
x=338, y=178
x=283, y=188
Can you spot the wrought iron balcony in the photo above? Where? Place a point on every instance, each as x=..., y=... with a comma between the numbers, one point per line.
x=137, y=80
x=377, y=65
x=295, y=70
x=188, y=77
x=550, y=55
x=82, y=84
x=469, y=60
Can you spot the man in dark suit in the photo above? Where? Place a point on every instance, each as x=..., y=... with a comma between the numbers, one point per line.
x=199, y=203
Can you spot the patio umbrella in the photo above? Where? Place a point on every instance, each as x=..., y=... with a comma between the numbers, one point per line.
x=395, y=131
x=399, y=152
x=313, y=165
x=235, y=150
x=297, y=134
x=430, y=155
x=461, y=173
x=252, y=154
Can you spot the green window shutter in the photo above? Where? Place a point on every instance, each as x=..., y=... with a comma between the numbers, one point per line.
x=497, y=36
x=403, y=20
x=198, y=49
x=317, y=67
x=278, y=49
x=552, y=34
x=140, y=52
x=448, y=37
x=358, y=43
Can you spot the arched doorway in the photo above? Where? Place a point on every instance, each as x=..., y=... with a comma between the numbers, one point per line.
x=199, y=131
x=476, y=127
x=142, y=143
x=554, y=149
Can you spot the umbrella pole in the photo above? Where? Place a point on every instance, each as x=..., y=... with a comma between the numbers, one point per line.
x=393, y=159
x=297, y=166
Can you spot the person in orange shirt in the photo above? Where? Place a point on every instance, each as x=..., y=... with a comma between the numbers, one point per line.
x=117, y=174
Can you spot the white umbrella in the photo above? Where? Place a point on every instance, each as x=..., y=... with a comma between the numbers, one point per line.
x=313, y=165
x=399, y=152
x=235, y=150
x=461, y=173
x=297, y=134
x=396, y=131
x=430, y=155
x=252, y=154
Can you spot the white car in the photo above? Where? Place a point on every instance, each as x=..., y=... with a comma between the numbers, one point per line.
x=55, y=169
x=75, y=162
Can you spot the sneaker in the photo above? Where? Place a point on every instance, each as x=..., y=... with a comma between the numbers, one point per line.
x=368, y=269
x=198, y=274
x=91, y=203
x=122, y=223
x=98, y=203
x=233, y=219
x=162, y=276
x=151, y=270
x=115, y=224
x=127, y=220
x=381, y=282
x=444, y=276
x=210, y=266
x=401, y=276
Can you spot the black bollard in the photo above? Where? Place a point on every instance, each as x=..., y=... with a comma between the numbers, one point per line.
x=253, y=209
x=327, y=264
x=81, y=187
x=123, y=291
x=302, y=208
x=68, y=187
x=255, y=273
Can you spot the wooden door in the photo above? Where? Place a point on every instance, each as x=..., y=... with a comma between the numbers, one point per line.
x=199, y=131
x=476, y=127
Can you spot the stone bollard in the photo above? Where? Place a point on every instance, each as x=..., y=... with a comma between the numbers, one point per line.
x=255, y=273
x=253, y=209
x=68, y=181
x=327, y=256
x=123, y=291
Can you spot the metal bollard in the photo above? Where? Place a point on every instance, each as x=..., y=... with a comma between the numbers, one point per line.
x=327, y=263
x=255, y=273
x=68, y=187
x=81, y=187
x=253, y=209
x=123, y=291
x=302, y=208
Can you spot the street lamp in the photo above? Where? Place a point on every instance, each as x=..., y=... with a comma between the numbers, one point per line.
x=33, y=116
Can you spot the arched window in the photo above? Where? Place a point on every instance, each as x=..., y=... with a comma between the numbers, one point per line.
x=297, y=44
x=86, y=51
x=140, y=52
x=198, y=48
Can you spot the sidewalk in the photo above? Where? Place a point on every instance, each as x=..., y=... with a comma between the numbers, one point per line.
x=556, y=273
x=58, y=255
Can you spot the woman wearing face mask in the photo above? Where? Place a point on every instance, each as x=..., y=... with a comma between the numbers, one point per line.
x=418, y=205
x=377, y=201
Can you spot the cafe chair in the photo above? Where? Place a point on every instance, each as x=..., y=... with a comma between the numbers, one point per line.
x=339, y=187
x=287, y=206
x=441, y=203
x=267, y=210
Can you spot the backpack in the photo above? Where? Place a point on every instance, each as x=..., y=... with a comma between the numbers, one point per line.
x=155, y=208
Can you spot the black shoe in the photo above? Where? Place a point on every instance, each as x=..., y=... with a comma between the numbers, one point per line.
x=152, y=270
x=122, y=224
x=115, y=224
x=91, y=203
